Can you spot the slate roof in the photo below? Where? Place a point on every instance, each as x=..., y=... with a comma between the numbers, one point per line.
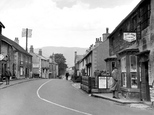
x=79, y=57
x=14, y=44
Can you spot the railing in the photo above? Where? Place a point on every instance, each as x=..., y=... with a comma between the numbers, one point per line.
x=96, y=84
x=87, y=83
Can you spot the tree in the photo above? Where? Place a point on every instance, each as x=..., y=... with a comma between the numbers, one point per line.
x=61, y=61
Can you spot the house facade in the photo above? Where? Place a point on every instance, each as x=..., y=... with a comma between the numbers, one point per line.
x=40, y=64
x=53, y=67
x=94, y=58
x=131, y=47
x=77, y=67
x=14, y=57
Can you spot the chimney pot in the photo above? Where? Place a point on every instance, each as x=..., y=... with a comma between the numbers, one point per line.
x=16, y=40
x=31, y=49
x=107, y=30
x=40, y=52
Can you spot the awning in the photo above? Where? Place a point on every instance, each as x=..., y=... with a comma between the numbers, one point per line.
x=111, y=58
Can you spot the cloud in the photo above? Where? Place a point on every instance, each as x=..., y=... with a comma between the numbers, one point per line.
x=75, y=26
x=92, y=3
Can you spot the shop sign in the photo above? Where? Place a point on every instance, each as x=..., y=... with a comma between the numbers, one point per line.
x=102, y=82
x=35, y=65
x=129, y=36
x=1, y=56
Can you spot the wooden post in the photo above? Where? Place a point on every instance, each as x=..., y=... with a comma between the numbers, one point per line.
x=26, y=39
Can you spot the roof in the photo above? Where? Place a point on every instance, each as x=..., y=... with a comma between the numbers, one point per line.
x=126, y=18
x=2, y=25
x=14, y=44
x=79, y=57
x=131, y=48
x=111, y=57
x=42, y=57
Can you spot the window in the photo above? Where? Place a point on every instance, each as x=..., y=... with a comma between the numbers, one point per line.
x=123, y=64
x=133, y=63
x=145, y=15
x=124, y=79
x=133, y=70
x=123, y=70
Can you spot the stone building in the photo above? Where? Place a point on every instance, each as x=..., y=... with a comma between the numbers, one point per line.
x=14, y=57
x=40, y=64
x=132, y=46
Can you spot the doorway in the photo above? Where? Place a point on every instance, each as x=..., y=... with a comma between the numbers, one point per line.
x=145, y=91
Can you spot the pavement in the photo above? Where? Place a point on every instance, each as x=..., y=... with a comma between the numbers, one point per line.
x=14, y=82
x=122, y=100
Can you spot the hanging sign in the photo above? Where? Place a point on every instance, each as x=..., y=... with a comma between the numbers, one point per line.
x=1, y=56
x=129, y=36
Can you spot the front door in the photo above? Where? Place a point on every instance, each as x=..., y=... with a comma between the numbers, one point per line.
x=145, y=91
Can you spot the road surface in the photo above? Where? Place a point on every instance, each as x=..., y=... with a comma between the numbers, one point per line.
x=57, y=97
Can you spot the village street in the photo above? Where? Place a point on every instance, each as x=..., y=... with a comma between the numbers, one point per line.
x=57, y=97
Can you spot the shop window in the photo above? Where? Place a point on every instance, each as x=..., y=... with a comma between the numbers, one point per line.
x=133, y=63
x=124, y=79
x=133, y=70
x=123, y=71
x=123, y=64
x=133, y=80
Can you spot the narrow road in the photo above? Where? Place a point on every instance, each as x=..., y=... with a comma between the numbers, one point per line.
x=57, y=97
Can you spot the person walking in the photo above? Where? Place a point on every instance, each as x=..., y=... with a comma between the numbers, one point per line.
x=67, y=74
x=115, y=83
x=7, y=76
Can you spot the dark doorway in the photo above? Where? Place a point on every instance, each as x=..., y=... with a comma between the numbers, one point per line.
x=145, y=91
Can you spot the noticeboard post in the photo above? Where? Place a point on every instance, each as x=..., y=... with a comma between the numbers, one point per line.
x=104, y=81
x=101, y=82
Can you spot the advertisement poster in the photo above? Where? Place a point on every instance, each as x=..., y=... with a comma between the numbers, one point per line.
x=102, y=82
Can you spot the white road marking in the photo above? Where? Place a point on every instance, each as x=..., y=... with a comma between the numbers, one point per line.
x=71, y=109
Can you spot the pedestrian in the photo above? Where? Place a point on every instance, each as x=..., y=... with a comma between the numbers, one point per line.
x=7, y=76
x=67, y=74
x=115, y=83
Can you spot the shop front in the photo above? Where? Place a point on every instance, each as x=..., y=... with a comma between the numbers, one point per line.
x=130, y=79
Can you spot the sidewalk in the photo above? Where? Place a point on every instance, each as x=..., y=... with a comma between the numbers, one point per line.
x=14, y=82
x=122, y=100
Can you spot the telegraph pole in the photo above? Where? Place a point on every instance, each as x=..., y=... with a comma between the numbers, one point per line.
x=26, y=39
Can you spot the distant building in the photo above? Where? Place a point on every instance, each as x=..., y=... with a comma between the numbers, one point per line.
x=40, y=64
x=77, y=70
x=53, y=67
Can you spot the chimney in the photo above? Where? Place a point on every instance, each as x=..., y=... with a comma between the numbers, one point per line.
x=107, y=30
x=75, y=57
x=1, y=26
x=16, y=40
x=40, y=52
x=31, y=49
x=105, y=35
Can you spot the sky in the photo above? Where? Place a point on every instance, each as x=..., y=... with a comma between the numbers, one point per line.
x=67, y=23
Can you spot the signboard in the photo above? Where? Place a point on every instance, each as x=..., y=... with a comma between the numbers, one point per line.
x=35, y=65
x=1, y=56
x=129, y=36
x=102, y=82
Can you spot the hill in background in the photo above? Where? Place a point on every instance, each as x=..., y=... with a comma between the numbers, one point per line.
x=68, y=52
